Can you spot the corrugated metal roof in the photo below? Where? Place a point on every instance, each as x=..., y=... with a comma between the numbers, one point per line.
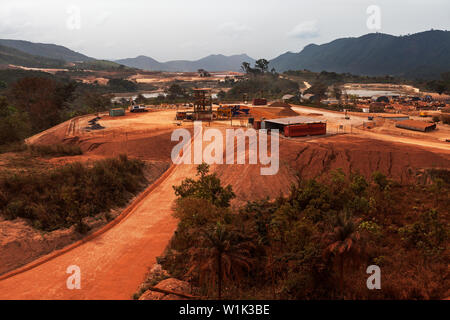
x=415, y=125
x=295, y=120
x=287, y=96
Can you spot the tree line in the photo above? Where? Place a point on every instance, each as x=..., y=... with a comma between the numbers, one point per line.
x=314, y=243
x=32, y=104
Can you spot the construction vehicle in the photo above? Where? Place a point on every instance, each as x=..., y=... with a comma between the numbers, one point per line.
x=346, y=116
x=229, y=111
x=138, y=108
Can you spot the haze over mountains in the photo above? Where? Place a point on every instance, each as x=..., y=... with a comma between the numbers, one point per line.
x=216, y=62
x=421, y=55
x=9, y=55
x=425, y=54
x=52, y=51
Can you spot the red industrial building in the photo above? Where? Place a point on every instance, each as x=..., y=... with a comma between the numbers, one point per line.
x=259, y=102
x=297, y=126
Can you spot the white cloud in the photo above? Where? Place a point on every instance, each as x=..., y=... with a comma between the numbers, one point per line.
x=102, y=18
x=305, y=30
x=233, y=29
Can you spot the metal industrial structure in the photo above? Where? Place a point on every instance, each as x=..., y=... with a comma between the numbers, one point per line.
x=297, y=126
x=229, y=111
x=117, y=112
x=203, y=104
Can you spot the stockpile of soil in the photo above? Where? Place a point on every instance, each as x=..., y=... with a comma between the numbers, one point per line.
x=264, y=112
x=287, y=112
x=53, y=135
x=400, y=162
x=278, y=104
x=156, y=146
x=397, y=161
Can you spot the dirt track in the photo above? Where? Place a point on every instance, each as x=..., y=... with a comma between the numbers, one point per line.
x=113, y=264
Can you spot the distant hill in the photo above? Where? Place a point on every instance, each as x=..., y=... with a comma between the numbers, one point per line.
x=10, y=55
x=421, y=55
x=38, y=55
x=52, y=51
x=142, y=62
x=101, y=65
x=216, y=62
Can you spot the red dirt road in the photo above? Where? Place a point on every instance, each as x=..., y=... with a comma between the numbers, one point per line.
x=112, y=264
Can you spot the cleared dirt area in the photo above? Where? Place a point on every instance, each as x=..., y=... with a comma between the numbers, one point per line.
x=112, y=264
x=164, y=77
x=317, y=157
x=116, y=261
x=20, y=243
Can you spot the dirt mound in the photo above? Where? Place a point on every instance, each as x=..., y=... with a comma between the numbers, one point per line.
x=287, y=112
x=278, y=104
x=53, y=135
x=397, y=161
x=154, y=147
x=400, y=162
x=20, y=243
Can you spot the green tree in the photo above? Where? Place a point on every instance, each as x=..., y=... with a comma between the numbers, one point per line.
x=203, y=73
x=344, y=243
x=208, y=186
x=337, y=92
x=14, y=125
x=42, y=99
x=262, y=65
x=175, y=91
x=122, y=85
x=318, y=89
x=246, y=67
x=429, y=233
x=222, y=254
x=221, y=95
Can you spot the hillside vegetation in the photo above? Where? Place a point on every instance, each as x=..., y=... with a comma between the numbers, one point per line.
x=46, y=50
x=64, y=196
x=12, y=56
x=317, y=242
x=217, y=62
x=421, y=55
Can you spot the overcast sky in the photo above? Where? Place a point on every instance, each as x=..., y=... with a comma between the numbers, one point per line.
x=191, y=29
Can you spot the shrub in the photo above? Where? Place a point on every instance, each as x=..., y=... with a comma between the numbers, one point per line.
x=207, y=187
x=66, y=195
x=298, y=247
x=427, y=234
x=380, y=179
x=445, y=118
x=55, y=150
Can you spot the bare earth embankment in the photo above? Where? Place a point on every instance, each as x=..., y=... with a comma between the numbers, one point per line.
x=116, y=261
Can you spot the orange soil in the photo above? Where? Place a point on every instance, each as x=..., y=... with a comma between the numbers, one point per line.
x=316, y=157
x=114, y=263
